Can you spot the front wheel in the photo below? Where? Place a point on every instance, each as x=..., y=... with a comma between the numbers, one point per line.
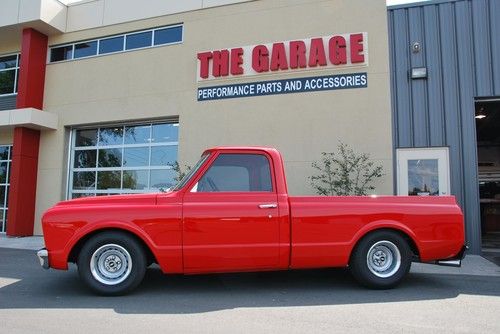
x=112, y=263
x=381, y=260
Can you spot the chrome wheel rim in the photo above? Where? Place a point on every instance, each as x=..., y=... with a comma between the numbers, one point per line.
x=111, y=264
x=383, y=259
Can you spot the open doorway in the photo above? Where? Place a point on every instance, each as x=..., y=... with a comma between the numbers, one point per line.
x=488, y=150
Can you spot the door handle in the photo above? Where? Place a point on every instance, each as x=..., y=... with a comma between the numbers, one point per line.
x=268, y=206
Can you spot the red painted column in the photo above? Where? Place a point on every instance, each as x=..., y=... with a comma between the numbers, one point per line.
x=24, y=168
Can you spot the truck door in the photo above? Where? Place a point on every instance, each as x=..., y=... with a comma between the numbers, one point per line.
x=230, y=216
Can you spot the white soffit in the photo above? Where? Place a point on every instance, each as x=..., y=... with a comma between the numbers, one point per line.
x=29, y=118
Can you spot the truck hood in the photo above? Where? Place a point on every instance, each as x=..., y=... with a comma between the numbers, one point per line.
x=112, y=200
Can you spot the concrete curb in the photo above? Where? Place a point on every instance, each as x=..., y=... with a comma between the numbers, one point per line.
x=33, y=243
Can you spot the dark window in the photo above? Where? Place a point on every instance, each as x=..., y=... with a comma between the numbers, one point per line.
x=86, y=137
x=8, y=62
x=7, y=81
x=86, y=49
x=61, y=53
x=237, y=172
x=139, y=40
x=113, y=44
x=168, y=35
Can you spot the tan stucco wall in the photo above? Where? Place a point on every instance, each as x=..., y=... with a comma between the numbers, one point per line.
x=161, y=82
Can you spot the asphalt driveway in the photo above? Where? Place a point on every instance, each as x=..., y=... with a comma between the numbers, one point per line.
x=33, y=300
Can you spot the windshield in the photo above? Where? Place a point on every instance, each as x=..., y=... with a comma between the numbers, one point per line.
x=190, y=174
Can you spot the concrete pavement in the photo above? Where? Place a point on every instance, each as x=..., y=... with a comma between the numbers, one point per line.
x=464, y=300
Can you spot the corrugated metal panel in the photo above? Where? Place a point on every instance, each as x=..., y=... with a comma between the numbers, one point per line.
x=8, y=102
x=461, y=49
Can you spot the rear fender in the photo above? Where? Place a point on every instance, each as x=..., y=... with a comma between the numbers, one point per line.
x=384, y=224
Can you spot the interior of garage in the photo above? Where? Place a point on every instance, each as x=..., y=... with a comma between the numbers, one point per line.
x=487, y=115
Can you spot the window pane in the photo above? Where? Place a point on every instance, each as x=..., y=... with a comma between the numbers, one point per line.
x=86, y=49
x=138, y=40
x=163, y=155
x=113, y=44
x=61, y=53
x=165, y=133
x=83, y=180
x=162, y=179
x=137, y=156
x=137, y=134
x=111, y=157
x=7, y=79
x=111, y=136
x=85, y=159
x=3, y=172
x=8, y=62
x=237, y=172
x=108, y=180
x=168, y=35
x=4, y=152
x=86, y=137
x=3, y=194
x=80, y=195
x=135, y=179
x=17, y=81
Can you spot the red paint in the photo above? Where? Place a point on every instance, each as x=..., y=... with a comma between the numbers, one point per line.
x=260, y=58
x=317, y=54
x=22, y=191
x=236, y=61
x=32, y=70
x=283, y=56
x=338, y=52
x=220, y=63
x=195, y=232
x=204, y=58
x=278, y=57
x=357, y=48
x=298, y=54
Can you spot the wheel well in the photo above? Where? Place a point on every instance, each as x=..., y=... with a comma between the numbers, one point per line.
x=411, y=243
x=75, y=251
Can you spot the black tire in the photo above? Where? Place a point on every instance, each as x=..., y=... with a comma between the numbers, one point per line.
x=112, y=263
x=381, y=260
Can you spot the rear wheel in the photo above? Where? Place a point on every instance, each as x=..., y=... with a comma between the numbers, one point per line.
x=381, y=260
x=112, y=263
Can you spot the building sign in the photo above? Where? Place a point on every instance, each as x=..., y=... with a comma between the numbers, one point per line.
x=285, y=86
x=336, y=51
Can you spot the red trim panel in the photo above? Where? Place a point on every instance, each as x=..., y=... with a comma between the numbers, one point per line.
x=22, y=193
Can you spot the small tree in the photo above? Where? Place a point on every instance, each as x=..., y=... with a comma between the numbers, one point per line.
x=345, y=173
x=180, y=173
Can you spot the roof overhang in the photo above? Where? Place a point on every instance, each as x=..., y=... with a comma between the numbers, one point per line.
x=29, y=118
x=46, y=16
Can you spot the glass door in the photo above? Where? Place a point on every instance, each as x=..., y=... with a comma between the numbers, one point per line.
x=5, y=161
x=423, y=171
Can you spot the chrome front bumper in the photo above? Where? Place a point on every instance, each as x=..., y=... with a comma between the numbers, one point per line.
x=43, y=257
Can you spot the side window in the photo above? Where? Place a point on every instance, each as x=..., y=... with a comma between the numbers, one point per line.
x=237, y=172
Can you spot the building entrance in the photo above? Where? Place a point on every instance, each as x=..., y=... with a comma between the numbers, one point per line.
x=487, y=115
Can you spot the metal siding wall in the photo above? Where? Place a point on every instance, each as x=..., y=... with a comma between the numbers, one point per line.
x=8, y=102
x=461, y=49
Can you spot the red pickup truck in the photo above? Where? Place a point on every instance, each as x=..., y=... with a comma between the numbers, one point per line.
x=232, y=213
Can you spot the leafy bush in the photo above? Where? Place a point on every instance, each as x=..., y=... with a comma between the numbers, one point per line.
x=345, y=173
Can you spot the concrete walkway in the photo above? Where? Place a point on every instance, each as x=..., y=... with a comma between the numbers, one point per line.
x=34, y=243
x=471, y=265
